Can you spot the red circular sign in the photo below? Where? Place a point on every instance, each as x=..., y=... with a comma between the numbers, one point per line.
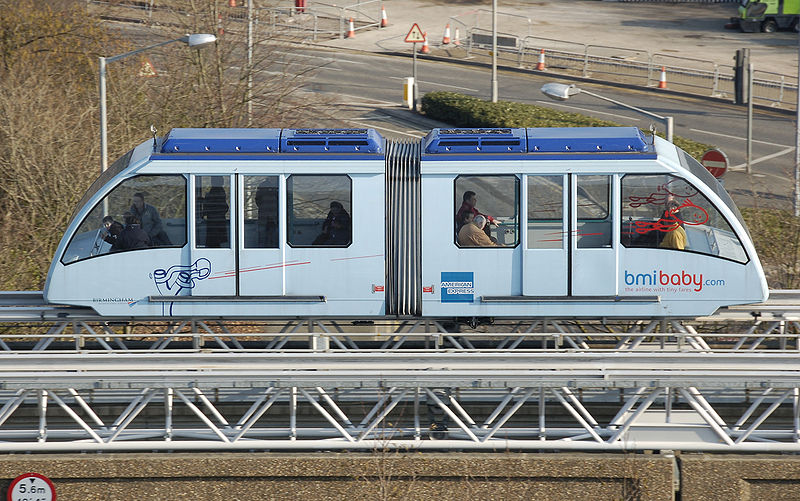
x=31, y=487
x=716, y=162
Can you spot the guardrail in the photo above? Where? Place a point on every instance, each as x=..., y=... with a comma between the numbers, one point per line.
x=640, y=67
x=517, y=47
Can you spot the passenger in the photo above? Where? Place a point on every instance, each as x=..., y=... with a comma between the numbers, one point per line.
x=466, y=218
x=132, y=236
x=675, y=236
x=267, y=203
x=112, y=229
x=468, y=205
x=337, y=228
x=215, y=208
x=472, y=235
x=150, y=220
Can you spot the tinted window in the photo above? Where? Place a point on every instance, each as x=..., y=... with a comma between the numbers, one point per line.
x=594, y=211
x=493, y=197
x=545, y=212
x=212, y=196
x=154, y=205
x=261, y=212
x=664, y=211
x=320, y=209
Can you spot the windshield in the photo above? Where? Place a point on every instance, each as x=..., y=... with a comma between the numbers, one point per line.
x=117, y=167
x=702, y=173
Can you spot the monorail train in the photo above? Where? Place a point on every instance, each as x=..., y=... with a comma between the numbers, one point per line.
x=583, y=222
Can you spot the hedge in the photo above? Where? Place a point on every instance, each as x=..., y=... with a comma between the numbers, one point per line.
x=461, y=110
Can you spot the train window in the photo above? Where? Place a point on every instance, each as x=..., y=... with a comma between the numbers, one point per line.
x=494, y=197
x=593, y=211
x=141, y=212
x=545, y=212
x=261, y=212
x=319, y=209
x=665, y=211
x=212, y=194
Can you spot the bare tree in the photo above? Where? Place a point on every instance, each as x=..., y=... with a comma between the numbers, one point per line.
x=49, y=150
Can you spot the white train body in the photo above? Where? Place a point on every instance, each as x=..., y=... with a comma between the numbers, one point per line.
x=341, y=223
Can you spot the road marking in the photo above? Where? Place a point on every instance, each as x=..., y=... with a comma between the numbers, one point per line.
x=439, y=84
x=591, y=112
x=373, y=126
x=311, y=56
x=740, y=138
x=360, y=100
x=762, y=159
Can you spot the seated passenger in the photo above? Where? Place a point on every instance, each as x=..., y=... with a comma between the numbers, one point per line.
x=465, y=219
x=112, y=229
x=468, y=206
x=149, y=219
x=675, y=235
x=336, y=229
x=472, y=234
x=132, y=236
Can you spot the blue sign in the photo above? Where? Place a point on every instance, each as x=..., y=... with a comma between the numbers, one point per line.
x=457, y=286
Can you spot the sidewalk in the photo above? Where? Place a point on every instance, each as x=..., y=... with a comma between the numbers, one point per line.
x=685, y=30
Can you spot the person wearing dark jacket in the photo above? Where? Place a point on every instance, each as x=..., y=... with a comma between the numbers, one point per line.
x=132, y=236
x=149, y=220
x=112, y=229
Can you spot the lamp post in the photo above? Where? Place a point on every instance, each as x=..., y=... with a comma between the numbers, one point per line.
x=562, y=92
x=494, y=51
x=195, y=40
x=796, y=194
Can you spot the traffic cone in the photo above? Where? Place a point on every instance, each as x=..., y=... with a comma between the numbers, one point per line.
x=457, y=39
x=220, y=29
x=662, y=83
x=540, y=64
x=425, y=49
x=446, y=37
x=352, y=32
x=384, y=19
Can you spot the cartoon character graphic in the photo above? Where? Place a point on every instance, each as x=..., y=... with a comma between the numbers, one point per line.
x=674, y=188
x=674, y=217
x=176, y=279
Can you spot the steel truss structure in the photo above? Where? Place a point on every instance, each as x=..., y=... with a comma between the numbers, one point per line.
x=71, y=381
x=521, y=400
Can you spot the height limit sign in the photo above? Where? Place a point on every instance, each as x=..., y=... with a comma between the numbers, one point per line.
x=31, y=487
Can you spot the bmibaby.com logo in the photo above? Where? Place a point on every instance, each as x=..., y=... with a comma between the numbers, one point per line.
x=660, y=280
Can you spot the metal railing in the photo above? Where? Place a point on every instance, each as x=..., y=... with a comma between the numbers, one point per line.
x=640, y=67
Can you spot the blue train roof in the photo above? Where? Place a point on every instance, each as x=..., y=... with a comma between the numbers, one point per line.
x=586, y=140
x=475, y=140
x=555, y=140
x=260, y=141
x=222, y=141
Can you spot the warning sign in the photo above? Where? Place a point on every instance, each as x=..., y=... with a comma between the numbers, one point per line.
x=415, y=35
x=147, y=70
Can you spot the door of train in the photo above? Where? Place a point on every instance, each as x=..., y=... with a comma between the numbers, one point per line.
x=569, y=249
x=213, y=259
x=593, y=263
x=236, y=235
x=261, y=260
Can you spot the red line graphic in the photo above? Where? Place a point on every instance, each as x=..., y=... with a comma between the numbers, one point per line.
x=228, y=274
x=356, y=257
